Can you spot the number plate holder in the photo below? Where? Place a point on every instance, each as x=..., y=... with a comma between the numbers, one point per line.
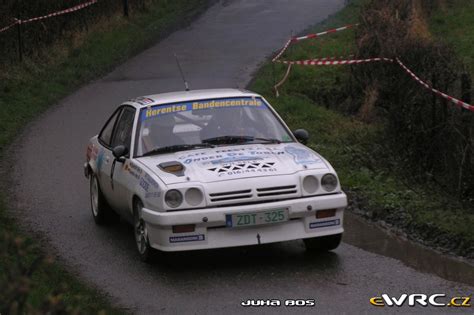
x=257, y=218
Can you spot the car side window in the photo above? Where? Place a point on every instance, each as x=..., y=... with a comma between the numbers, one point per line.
x=123, y=132
x=106, y=134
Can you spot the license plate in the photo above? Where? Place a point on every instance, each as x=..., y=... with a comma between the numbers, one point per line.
x=257, y=218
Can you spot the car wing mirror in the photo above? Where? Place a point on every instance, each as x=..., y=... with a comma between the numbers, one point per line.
x=301, y=135
x=119, y=153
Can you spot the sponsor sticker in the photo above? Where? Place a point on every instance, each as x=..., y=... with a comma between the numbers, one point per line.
x=153, y=194
x=231, y=159
x=143, y=100
x=100, y=160
x=316, y=225
x=150, y=180
x=144, y=184
x=302, y=156
x=92, y=152
x=158, y=110
x=133, y=170
x=233, y=155
x=241, y=169
x=187, y=238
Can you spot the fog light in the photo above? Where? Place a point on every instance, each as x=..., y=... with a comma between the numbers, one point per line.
x=184, y=228
x=321, y=214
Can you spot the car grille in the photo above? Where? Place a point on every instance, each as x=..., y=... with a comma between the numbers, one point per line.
x=240, y=196
x=231, y=195
x=275, y=191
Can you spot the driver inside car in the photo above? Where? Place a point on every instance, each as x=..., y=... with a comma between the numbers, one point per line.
x=232, y=122
x=159, y=133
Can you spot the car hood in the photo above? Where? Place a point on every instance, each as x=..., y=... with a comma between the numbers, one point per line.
x=236, y=162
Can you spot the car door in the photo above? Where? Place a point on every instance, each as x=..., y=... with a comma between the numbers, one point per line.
x=122, y=180
x=105, y=157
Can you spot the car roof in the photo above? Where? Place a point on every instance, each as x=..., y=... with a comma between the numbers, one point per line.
x=183, y=96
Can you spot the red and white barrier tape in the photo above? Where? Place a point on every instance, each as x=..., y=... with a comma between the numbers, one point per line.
x=337, y=62
x=282, y=51
x=334, y=30
x=69, y=10
x=328, y=61
x=456, y=101
x=285, y=77
x=65, y=11
x=321, y=62
x=6, y=28
x=297, y=39
x=331, y=61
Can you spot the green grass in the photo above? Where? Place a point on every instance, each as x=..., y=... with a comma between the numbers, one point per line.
x=455, y=25
x=26, y=272
x=322, y=84
x=370, y=173
x=29, y=88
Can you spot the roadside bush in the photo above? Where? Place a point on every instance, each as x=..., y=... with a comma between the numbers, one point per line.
x=433, y=138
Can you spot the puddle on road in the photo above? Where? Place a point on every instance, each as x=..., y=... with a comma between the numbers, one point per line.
x=372, y=238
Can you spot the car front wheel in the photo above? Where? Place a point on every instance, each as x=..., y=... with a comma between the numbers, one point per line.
x=101, y=211
x=323, y=243
x=145, y=251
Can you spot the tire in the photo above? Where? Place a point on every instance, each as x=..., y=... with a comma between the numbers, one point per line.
x=145, y=251
x=101, y=211
x=323, y=243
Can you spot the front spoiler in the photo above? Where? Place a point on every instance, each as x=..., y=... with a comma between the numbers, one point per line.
x=211, y=230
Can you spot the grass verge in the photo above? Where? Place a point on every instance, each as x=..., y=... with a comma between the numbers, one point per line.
x=454, y=24
x=373, y=176
x=31, y=281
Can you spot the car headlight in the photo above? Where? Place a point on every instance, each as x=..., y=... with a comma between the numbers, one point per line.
x=193, y=196
x=173, y=198
x=310, y=184
x=329, y=182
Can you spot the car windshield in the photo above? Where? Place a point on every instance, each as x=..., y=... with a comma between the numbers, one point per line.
x=207, y=123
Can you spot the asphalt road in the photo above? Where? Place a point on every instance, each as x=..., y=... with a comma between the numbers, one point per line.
x=221, y=49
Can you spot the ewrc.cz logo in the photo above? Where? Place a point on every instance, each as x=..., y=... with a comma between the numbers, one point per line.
x=438, y=300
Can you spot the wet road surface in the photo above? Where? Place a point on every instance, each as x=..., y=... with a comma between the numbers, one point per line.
x=221, y=49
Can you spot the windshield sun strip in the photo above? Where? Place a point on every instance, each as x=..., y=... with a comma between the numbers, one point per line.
x=264, y=102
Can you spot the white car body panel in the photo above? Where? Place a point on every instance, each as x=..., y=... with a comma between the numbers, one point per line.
x=234, y=179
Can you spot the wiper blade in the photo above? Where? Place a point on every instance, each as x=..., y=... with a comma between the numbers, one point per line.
x=268, y=140
x=228, y=139
x=238, y=139
x=178, y=147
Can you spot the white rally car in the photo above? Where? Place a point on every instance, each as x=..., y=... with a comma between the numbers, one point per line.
x=210, y=169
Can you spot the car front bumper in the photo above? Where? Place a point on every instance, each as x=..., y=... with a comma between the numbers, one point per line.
x=211, y=230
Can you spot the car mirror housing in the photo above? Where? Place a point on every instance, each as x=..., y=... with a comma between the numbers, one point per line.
x=119, y=152
x=301, y=135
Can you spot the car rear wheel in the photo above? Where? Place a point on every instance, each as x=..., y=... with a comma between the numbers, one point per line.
x=101, y=211
x=323, y=243
x=146, y=252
